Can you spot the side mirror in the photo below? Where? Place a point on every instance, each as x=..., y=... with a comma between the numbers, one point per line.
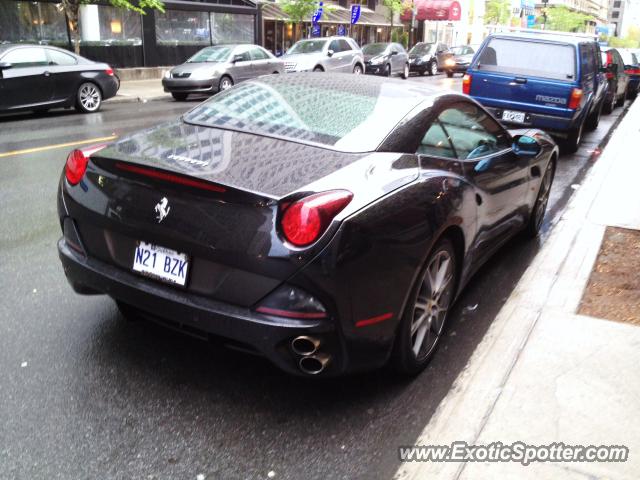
x=330, y=53
x=394, y=52
x=525, y=146
x=236, y=58
x=5, y=66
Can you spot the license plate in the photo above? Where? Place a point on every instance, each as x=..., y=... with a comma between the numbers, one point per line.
x=161, y=263
x=511, y=116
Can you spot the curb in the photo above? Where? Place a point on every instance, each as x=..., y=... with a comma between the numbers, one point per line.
x=136, y=99
x=554, y=280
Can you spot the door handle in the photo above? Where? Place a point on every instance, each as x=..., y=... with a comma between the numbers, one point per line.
x=521, y=81
x=47, y=73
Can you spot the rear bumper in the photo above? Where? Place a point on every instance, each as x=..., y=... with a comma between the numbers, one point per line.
x=557, y=126
x=186, y=85
x=239, y=327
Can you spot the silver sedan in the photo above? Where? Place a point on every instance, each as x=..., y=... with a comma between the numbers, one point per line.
x=217, y=68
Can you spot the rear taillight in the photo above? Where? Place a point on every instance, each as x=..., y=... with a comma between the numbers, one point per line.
x=305, y=220
x=466, y=84
x=77, y=162
x=109, y=71
x=575, y=98
x=633, y=71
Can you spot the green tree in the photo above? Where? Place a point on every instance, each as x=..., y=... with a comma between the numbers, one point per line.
x=299, y=11
x=563, y=19
x=72, y=10
x=497, y=12
x=632, y=40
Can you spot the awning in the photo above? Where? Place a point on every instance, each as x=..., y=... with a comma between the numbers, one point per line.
x=337, y=15
x=434, y=10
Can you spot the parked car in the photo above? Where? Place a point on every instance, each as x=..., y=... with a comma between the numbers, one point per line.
x=428, y=57
x=340, y=246
x=218, y=68
x=386, y=59
x=617, y=77
x=37, y=77
x=542, y=80
x=632, y=69
x=459, y=60
x=329, y=54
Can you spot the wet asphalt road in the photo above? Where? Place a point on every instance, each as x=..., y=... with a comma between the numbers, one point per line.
x=84, y=394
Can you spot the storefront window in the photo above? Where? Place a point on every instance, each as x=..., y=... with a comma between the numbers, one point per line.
x=31, y=22
x=107, y=26
x=232, y=28
x=175, y=27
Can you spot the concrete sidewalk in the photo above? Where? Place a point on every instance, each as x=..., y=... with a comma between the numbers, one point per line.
x=544, y=374
x=140, y=91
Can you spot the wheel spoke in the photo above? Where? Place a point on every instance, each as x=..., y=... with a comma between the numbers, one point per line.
x=417, y=323
x=422, y=331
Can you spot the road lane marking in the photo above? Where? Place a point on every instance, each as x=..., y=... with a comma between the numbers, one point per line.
x=57, y=145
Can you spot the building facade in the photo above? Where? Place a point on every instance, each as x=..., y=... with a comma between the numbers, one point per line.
x=624, y=14
x=127, y=39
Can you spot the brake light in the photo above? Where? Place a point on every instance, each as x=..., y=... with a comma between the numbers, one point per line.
x=575, y=98
x=170, y=177
x=466, y=84
x=633, y=71
x=77, y=161
x=109, y=71
x=305, y=220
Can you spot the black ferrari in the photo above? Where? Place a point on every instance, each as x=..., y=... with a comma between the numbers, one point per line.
x=327, y=222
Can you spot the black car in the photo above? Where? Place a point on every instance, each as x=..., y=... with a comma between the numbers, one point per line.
x=459, y=60
x=386, y=59
x=428, y=57
x=36, y=77
x=617, y=78
x=326, y=222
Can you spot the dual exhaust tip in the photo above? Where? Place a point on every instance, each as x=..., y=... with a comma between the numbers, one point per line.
x=312, y=362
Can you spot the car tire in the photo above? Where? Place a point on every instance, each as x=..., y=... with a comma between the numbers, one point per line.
x=318, y=69
x=573, y=140
x=88, y=98
x=422, y=320
x=622, y=99
x=405, y=71
x=594, y=118
x=357, y=69
x=449, y=74
x=542, y=199
x=432, y=68
x=180, y=97
x=387, y=71
x=225, y=83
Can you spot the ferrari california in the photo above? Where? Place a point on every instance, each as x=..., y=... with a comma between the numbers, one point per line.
x=326, y=222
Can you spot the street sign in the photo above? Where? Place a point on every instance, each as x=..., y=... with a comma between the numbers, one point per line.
x=355, y=14
x=317, y=15
x=342, y=30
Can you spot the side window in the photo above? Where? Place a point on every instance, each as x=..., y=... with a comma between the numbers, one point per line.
x=59, y=58
x=244, y=54
x=335, y=46
x=26, y=57
x=436, y=142
x=473, y=132
x=586, y=59
x=258, y=54
x=344, y=46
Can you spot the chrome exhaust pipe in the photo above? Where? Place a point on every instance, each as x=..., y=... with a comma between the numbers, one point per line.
x=304, y=345
x=314, y=364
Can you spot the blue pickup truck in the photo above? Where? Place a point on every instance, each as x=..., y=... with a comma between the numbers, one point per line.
x=554, y=82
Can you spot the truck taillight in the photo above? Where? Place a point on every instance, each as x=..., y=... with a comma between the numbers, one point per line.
x=575, y=98
x=466, y=84
x=305, y=220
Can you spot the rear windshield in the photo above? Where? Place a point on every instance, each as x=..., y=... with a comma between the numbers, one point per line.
x=530, y=58
x=628, y=58
x=341, y=115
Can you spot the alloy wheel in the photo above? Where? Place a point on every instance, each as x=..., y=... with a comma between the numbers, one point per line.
x=405, y=73
x=89, y=97
x=357, y=69
x=225, y=84
x=543, y=196
x=434, y=68
x=431, y=306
